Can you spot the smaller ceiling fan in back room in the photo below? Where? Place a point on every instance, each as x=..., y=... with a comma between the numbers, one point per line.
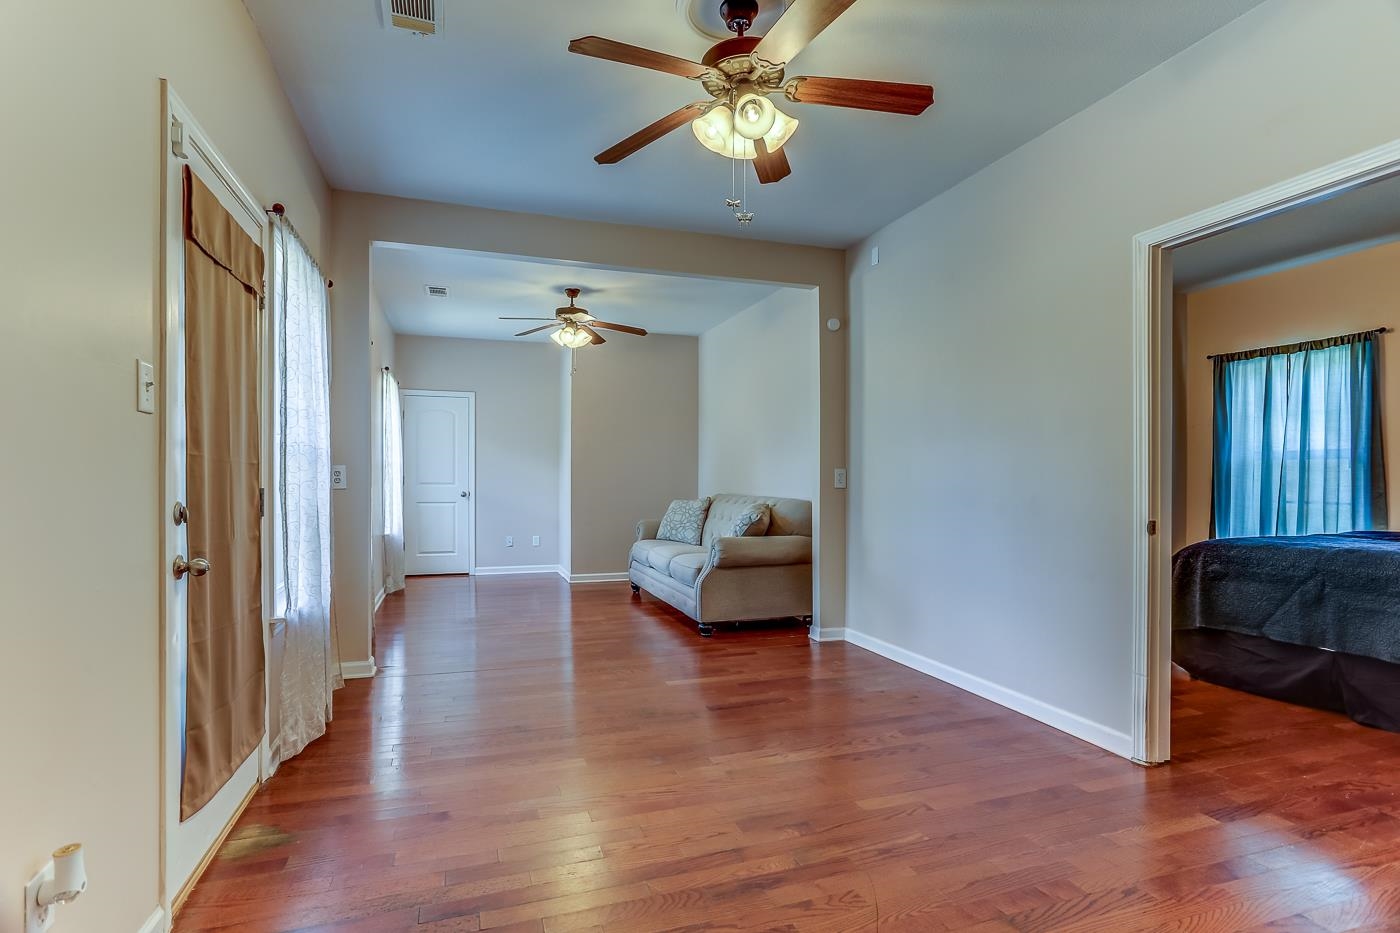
x=740, y=75
x=576, y=327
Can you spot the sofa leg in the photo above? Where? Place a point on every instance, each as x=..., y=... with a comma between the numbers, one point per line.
x=706, y=630
x=636, y=590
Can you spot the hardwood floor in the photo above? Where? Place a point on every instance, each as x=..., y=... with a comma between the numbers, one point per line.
x=533, y=758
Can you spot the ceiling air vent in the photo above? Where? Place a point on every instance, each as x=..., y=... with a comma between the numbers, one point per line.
x=436, y=291
x=420, y=17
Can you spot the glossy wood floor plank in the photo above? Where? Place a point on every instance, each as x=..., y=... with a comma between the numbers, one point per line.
x=539, y=758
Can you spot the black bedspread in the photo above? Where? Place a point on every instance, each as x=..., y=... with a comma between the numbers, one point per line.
x=1340, y=592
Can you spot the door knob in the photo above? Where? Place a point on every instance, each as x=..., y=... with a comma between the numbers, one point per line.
x=466, y=495
x=197, y=567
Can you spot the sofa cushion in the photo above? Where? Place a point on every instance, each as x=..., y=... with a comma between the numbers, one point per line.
x=659, y=554
x=788, y=516
x=753, y=523
x=684, y=521
x=685, y=568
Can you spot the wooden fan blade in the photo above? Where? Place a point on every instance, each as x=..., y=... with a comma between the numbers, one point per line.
x=607, y=325
x=609, y=50
x=882, y=96
x=597, y=337
x=795, y=30
x=537, y=330
x=651, y=134
x=526, y=319
x=771, y=166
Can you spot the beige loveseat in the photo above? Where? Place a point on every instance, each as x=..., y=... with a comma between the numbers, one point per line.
x=731, y=579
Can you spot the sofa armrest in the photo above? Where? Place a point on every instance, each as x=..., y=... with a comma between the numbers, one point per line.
x=647, y=529
x=770, y=551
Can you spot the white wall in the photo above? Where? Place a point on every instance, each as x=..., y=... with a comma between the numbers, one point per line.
x=759, y=417
x=82, y=156
x=991, y=514
x=634, y=442
x=517, y=388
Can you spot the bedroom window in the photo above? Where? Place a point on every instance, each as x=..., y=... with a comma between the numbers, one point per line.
x=1298, y=440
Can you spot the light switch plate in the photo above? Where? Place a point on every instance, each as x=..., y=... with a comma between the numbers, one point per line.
x=535, y=541
x=145, y=387
x=840, y=479
x=338, y=478
x=875, y=255
x=510, y=541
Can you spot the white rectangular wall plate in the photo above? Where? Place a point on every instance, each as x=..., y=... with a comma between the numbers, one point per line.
x=36, y=918
x=875, y=255
x=338, y=478
x=145, y=387
x=841, y=479
x=510, y=541
x=535, y=541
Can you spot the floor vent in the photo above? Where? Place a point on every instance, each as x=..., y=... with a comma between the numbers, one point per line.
x=437, y=291
x=420, y=17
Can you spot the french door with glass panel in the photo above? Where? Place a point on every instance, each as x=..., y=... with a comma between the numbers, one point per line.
x=439, y=506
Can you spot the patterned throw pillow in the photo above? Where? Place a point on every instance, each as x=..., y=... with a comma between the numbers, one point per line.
x=753, y=523
x=684, y=521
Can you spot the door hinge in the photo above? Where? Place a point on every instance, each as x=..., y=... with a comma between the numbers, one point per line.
x=1152, y=528
x=177, y=139
x=262, y=502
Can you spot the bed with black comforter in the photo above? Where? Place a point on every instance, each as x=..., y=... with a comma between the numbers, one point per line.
x=1312, y=620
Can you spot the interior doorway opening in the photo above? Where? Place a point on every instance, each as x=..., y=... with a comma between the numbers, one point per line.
x=1263, y=234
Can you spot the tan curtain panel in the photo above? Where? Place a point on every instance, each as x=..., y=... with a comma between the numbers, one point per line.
x=224, y=687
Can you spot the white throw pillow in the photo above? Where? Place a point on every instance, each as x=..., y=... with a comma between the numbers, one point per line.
x=753, y=523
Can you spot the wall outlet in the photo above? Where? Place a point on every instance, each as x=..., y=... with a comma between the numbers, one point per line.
x=37, y=919
x=841, y=479
x=875, y=255
x=535, y=541
x=339, y=479
x=510, y=541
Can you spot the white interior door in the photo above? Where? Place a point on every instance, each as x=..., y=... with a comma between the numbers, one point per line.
x=439, y=480
x=185, y=844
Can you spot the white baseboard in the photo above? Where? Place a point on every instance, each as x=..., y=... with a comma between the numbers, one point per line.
x=1119, y=743
x=512, y=571
x=379, y=599
x=358, y=670
x=827, y=634
x=155, y=923
x=597, y=577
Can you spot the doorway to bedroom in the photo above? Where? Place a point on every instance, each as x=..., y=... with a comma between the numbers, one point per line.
x=1275, y=583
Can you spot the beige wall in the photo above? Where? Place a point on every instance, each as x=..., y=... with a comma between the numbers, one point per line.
x=759, y=419
x=517, y=388
x=1343, y=295
x=635, y=442
x=82, y=157
x=381, y=354
x=362, y=219
x=991, y=522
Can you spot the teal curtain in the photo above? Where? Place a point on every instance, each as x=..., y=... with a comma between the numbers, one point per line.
x=1298, y=446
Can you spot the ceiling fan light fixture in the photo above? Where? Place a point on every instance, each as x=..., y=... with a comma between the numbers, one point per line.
x=571, y=338
x=716, y=132
x=754, y=116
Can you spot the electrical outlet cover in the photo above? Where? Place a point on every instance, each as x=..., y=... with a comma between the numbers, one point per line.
x=37, y=919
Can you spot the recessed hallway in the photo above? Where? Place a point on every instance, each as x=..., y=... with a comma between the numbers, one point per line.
x=536, y=757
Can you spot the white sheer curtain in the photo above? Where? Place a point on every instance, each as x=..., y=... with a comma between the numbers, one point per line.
x=301, y=495
x=392, y=458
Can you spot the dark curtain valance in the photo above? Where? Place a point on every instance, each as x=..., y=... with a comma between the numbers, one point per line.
x=1324, y=344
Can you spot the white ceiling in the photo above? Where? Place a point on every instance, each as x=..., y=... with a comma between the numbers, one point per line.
x=1364, y=217
x=484, y=288
x=496, y=113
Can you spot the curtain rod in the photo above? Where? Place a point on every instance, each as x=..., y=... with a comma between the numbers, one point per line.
x=1304, y=344
x=280, y=210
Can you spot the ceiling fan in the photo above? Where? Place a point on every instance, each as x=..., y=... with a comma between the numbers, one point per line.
x=576, y=327
x=740, y=74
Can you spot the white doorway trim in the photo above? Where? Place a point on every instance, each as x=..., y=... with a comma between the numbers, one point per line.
x=1152, y=418
x=471, y=462
x=186, y=847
